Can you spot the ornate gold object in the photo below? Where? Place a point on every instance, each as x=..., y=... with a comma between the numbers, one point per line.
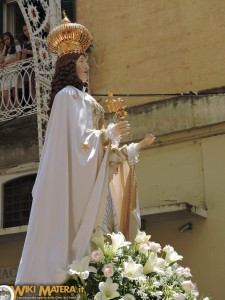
x=85, y=147
x=116, y=106
x=68, y=38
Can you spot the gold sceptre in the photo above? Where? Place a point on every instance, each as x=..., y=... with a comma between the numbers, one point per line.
x=116, y=106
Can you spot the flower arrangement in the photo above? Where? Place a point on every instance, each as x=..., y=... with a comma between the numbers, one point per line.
x=125, y=271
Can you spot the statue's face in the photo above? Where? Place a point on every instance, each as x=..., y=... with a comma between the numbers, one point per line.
x=82, y=68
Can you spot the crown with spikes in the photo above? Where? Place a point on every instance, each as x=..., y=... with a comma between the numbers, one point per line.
x=68, y=38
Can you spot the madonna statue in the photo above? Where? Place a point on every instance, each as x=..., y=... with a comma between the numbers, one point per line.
x=85, y=180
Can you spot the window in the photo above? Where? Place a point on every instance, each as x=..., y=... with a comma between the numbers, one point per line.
x=13, y=18
x=69, y=6
x=17, y=201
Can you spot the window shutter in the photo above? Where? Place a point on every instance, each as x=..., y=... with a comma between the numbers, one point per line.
x=69, y=7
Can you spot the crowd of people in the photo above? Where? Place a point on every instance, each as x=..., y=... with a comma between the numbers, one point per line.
x=12, y=50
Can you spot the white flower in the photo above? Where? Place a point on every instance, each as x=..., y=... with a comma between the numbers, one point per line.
x=169, y=271
x=108, y=289
x=116, y=259
x=154, y=246
x=154, y=264
x=129, y=297
x=97, y=255
x=180, y=271
x=144, y=248
x=108, y=270
x=149, y=246
x=179, y=296
x=132, y=270
x=118, y=241
x=172, y=256
x=150, y=263
x=98, y=296
x=141, y=237
x=186, y=272
x=98, y=239
x=158, y=294
x=188, y=286
x=120, y=252
x=81, y=268
x=168, y=248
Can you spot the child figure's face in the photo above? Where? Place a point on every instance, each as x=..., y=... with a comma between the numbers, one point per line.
x=82, y=68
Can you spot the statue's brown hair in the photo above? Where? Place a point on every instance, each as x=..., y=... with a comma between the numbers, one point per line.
x=65, y=74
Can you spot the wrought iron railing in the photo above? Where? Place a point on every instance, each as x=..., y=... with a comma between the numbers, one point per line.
x=40, y=17
x=17, y=90
x=28, y=81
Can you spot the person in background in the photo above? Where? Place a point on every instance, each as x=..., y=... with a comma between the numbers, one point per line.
x=11, y=54
x=27, y=52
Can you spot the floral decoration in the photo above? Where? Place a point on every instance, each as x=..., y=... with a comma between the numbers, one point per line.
x=121, y=270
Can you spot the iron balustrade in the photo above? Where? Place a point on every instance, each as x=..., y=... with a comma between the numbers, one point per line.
x=17, y=90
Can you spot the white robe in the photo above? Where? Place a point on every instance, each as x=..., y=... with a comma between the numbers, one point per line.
x=70, y=192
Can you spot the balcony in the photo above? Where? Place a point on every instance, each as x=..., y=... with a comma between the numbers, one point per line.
x=18, y=115
x=171, y=212
x=17, y=90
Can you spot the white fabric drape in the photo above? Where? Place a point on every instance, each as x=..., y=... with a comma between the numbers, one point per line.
x=71, y=188
x=69, y=194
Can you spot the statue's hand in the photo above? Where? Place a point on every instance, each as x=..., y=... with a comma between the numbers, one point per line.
x=147, y=141
x=122, y=128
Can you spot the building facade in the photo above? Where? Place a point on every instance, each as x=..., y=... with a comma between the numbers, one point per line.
x=166, y=59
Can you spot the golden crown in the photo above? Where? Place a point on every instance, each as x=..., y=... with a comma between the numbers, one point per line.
x=68, y=38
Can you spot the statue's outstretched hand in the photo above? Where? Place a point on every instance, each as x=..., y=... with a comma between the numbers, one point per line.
x=147, y=141
x=122, y=128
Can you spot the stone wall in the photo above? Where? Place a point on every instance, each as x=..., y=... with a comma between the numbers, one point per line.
x=18, y=142
x=155, y=46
